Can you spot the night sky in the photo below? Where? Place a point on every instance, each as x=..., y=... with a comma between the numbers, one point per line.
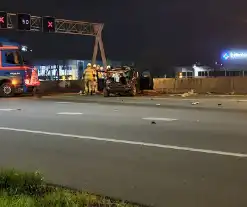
x=154, y=33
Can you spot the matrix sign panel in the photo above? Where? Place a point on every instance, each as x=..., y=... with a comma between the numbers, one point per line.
x=23, y=21
x=3, y=20
x=48, y=24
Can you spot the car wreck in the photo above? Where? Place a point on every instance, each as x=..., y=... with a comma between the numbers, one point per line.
x=121, y=81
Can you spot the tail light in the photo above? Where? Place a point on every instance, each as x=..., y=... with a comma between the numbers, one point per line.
x=31, y=78
x=27, y=81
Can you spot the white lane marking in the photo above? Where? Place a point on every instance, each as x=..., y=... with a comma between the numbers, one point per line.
x=63, y=102
x=119, y=141
x=8, y=109
x=69, y=113
x=241, y=100
x=159, y=119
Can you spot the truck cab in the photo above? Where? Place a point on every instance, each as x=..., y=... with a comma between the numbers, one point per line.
x=16, y=77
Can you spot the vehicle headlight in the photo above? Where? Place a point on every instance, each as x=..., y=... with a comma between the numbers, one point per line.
x=14, y=82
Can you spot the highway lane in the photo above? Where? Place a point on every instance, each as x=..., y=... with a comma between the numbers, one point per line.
x=235, y=103
x=151, y=174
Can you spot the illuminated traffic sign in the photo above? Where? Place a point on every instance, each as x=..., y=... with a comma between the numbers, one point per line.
x=3, y=20
x=48, y=24
x=23, y=21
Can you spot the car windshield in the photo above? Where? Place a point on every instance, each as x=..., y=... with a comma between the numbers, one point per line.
x=14, y=57
x=19, y=57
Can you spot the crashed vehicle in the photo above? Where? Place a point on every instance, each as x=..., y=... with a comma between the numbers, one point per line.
x=121, y=81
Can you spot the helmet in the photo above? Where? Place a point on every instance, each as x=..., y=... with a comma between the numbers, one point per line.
x=101, y=68
x=94, y=66
x=89, y=65
x=108, y=66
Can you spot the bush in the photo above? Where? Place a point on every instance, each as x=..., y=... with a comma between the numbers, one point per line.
x=20, y=189
x=17, y=201
x=15, y=182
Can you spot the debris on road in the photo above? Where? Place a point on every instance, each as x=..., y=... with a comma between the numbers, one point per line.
x=189, y=93
x=157, y=104
x=153, y=122
x=219, y=104
x=195, y=103
x=185, y=95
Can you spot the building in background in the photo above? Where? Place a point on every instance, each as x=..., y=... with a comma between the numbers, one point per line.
x=64, y=69
x=184, y=72
x=196, y=70
x=234, y=62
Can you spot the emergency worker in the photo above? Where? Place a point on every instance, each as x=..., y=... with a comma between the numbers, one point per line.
x=88, y=76
x=100, y=73
x=94, y=66
x=101, y=79
x=95, y=80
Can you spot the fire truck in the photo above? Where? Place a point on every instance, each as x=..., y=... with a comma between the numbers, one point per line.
x=17, y=76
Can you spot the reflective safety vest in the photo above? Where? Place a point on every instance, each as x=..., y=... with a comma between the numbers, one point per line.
x=89, y=74
x=95, y=74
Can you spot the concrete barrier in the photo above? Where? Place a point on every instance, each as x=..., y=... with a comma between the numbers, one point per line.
x=169, y=83
x=239, y=85
x=220, y=85
x=48, y=87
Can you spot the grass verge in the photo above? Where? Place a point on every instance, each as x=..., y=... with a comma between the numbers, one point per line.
x=20, y=189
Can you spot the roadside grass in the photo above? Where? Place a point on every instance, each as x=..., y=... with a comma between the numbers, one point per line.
x=21, y=189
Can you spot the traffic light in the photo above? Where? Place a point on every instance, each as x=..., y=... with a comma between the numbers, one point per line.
x=48, y=24
x=3, y=20
x=23, y=21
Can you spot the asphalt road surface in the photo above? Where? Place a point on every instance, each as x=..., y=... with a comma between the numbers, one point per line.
x=156, y=156
x=233, y=103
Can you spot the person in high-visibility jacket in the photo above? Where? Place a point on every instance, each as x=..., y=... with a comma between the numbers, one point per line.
x=101, y=79
x=88, y=76
x=95, y=80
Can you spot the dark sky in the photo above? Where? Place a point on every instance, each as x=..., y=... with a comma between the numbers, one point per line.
x=155, y=33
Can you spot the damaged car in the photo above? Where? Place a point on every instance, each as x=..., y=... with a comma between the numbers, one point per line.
x=121, y=81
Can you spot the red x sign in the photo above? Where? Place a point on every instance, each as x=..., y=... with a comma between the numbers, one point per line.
x=1, y=19
x=50, y=24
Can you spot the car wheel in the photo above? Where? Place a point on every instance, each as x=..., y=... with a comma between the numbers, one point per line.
x=6, y=90
x=133, y=91
x=106, y=92
x=38, y=92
